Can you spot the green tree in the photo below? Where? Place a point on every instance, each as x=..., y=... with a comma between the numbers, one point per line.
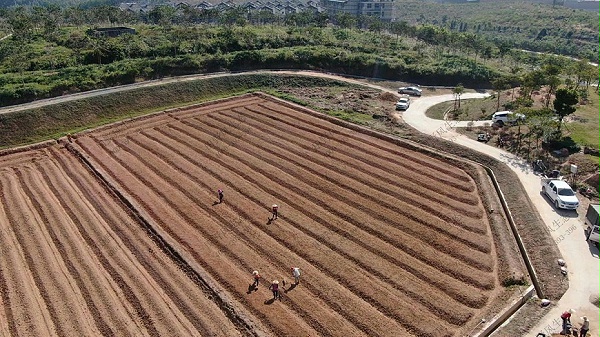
x=564, y=104
x=345, y=20
x=458, y=91
x=498, y=85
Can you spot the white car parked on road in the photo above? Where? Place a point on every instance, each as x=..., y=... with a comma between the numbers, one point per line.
x=560, y=193
x=403, y=103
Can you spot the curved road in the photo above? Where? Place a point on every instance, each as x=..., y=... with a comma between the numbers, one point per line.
x=581, y=258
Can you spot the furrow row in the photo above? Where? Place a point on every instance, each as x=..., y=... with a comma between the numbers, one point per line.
x=372, y=293
x=248, y=237
x=471, y=215
x=339, y=149
x=74, y=256
x=252, y=175
x=432, y=167
x=361, y=204
x=389, y=272
x=221, y=105
x=42, y=258
x=211, y=245
x=137, y=242
x=26, y=313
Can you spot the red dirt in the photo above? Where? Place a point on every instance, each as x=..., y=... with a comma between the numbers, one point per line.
x=75, y=263
x=391, y=242
x=378, y=256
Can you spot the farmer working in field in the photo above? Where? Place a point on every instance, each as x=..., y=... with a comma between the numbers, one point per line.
x=220, y=194
x=296, y=274
x=256, y=278
x=275, y=208
x=274, y=287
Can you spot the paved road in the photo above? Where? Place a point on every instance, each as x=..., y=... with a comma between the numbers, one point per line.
x=581, y=258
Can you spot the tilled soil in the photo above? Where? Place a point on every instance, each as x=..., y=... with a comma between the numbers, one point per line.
x=74, y=262
x=390, y=241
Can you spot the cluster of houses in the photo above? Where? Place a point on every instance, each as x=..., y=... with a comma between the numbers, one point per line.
x=382, y=9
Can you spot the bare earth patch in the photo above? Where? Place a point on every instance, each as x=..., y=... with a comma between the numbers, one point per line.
x=391, y=241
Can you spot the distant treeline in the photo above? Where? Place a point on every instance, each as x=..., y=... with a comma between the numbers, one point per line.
x=55, y=50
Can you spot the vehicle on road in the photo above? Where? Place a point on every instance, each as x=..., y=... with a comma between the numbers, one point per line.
x=591, y=219
x=560, y=193
x=507, y=117
x=403, y=103
x=414, y=91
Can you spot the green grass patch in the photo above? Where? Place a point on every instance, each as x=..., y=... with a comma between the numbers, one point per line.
x=470, y=109
x=351, y=116
x=584, y=129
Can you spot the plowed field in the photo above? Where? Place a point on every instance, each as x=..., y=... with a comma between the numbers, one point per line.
x=73, y=262
x=390, y=242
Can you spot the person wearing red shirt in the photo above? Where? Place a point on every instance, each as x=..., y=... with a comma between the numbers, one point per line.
x=566, y=319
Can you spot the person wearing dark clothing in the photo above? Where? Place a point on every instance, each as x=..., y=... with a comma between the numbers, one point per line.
x=220, y=193
x=275, y=209
x=274, y=287
x=585, y=327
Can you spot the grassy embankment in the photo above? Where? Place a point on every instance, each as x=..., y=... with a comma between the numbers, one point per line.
x=54, y=121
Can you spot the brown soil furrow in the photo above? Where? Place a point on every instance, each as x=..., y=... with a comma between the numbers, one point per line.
x=362, y=141
x=127, y=126
x=367, y=162
x=160, y=312
x=463, y=290
x=92, y=227
x=42, y=259
x=368, y=204
x=349, y=192
x=220, y=105
x=103, y=253
x=140, y=123
x=210, y=248
x=409, y=193
x=25, y=313
x=377, y=289
x=389, y=272
x=477, y=278
x=245, y=237
x=79, y=264
x=182, y=290
x=20, y=158
x=7, y=324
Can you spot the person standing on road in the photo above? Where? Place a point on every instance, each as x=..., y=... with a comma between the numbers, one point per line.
x=566, y=319
x=585, y=327
x=274, y=287
x=256, y=277
x=275, y=210
x=296, y=274
x=220, y=194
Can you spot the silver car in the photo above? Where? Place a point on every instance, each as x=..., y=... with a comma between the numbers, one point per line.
x=414, y=91
x=403, y=103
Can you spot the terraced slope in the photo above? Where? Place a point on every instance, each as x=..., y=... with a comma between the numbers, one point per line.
x=74, y=262
x=391, y=242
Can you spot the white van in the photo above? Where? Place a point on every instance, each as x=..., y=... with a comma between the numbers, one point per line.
x=506, y=117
